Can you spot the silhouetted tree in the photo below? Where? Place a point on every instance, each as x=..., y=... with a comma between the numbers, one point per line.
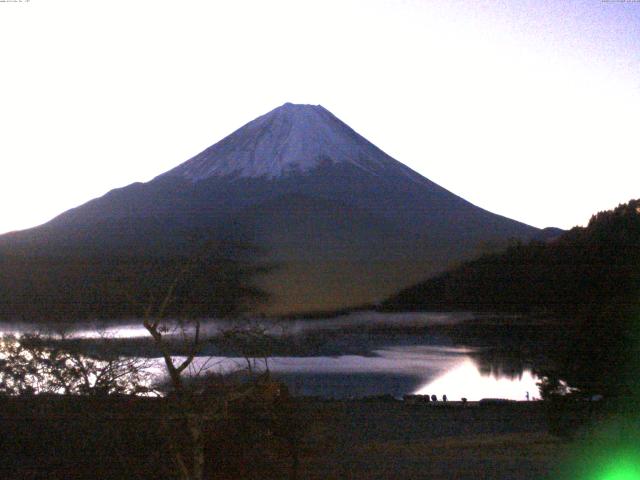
x=201, y=403
x=29, y=366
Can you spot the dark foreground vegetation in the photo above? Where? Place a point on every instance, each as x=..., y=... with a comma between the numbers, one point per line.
x=66, y=437
x=68, y=413
x=114, y=437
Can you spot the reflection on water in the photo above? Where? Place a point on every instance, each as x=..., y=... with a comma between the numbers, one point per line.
x=466, y=380
x=400, y=371
x=396, y=371
x=354, y=355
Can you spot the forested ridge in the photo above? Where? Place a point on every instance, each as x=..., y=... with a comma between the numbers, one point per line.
x=582, y=269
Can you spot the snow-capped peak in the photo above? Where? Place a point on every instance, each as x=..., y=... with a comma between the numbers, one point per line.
x=290, y=139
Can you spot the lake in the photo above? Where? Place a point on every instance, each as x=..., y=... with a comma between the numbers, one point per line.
x=356, y=355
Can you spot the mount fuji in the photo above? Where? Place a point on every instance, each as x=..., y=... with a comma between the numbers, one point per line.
x=346, y=223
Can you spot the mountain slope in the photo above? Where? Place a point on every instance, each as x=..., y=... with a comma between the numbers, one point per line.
x=346, y=223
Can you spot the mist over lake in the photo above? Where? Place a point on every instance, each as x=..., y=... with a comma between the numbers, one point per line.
x=355, y=355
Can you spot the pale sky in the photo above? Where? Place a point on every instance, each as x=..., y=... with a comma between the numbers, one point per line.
x=527, y=108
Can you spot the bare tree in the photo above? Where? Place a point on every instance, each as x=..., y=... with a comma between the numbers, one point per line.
x=199, y=400
x=30, y=365
x=194, y=469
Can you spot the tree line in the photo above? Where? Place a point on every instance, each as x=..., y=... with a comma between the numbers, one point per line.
x=586, y=267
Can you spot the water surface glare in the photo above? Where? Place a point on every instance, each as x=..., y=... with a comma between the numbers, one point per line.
x=355, y=355
x=397, y=371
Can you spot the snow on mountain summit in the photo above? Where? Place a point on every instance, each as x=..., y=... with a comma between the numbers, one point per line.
x=290, y=139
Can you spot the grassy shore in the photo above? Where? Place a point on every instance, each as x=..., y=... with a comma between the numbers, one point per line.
x=76, y=438
x=390, y=440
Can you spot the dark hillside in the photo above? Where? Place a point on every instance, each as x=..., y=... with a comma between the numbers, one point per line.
x=585, y=267
x=90, y=285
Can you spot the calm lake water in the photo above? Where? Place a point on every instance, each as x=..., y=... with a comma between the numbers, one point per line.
x=360, y=355
x=397, y=371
